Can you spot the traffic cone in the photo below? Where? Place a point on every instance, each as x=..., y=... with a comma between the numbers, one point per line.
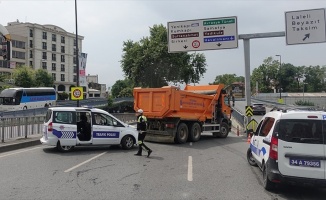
x=249, y=138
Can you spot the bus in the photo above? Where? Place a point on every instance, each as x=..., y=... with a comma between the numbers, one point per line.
x=27, y=98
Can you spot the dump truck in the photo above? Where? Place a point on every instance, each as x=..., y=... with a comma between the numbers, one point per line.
x=175, y=115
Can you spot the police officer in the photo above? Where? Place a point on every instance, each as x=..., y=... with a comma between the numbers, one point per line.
x=141, y=128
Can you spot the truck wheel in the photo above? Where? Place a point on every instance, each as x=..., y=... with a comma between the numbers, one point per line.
x=127, y=142
x=224, y=130
x=195, y=132
x=64, y=148
x=182, y=133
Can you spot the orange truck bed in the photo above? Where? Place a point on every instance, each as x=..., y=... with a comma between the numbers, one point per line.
x=193, y=103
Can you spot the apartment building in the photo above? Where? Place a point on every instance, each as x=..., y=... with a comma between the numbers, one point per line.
x=96, y=89
x=47, y=47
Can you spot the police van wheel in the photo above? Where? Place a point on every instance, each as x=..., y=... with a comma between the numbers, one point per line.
x=127, y=142
x=250, y=159
x=267, y=184
x=64, y=148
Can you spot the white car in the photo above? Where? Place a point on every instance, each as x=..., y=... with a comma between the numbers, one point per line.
x=289, y=147
x=67, y=127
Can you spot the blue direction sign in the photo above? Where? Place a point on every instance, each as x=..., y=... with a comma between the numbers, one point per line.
x=203, y=34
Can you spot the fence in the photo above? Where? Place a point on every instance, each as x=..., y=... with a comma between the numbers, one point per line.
x=14, y=127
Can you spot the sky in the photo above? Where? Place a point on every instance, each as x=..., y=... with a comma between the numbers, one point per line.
x=106, y=24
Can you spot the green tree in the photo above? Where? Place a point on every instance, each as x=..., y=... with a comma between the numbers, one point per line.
x=314, y=78
x=24, y=76
x=228, y=79
x=110, y=101
x=122, y=88
x=43, y=78
x=147, y=63
x=266, y=75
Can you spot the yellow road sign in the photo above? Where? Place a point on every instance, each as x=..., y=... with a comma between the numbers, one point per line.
x=249, y=111
x=76, y=93
x=252, y=125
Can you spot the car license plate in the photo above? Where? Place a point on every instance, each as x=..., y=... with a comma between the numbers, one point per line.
x=304, y=163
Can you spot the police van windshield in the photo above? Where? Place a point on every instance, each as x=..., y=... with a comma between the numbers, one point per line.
x=302, y=131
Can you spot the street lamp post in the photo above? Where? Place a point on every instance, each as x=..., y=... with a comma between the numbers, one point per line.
x=303, y=91
x=280, y=87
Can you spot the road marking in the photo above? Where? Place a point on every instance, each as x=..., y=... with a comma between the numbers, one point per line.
x=9, y=154
x=74, y=167
x=190, y=168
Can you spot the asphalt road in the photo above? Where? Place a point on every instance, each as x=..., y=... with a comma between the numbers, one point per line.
x=212, y=168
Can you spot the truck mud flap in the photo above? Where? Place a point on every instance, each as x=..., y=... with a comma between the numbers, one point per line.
x=159, y=138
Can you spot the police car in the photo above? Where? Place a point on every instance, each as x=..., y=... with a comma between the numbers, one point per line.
x=67, y=127
x=289, y=147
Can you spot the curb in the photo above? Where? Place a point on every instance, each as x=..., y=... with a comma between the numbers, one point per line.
x=11, y=147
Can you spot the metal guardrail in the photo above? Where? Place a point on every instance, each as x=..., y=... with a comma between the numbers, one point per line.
x=14, y=127
x=20, y=127
x=237, y=115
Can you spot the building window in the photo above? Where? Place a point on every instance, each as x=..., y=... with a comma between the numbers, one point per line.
x=30, y=32
x=31, y=43
x=44, y=46
x=54, y=67
x=45, y=36
x=18, y=44
x=44, y=55
x=63, y=49
x=31, y=63
x=75, y=69
x=75, y=78
x=75, y=62
x=54, y=37
x=62, y=77
x=44, y=65
x=54, y=77
x=18, y=54
x=54, y=57
x=30, y=54
x=75, y=52
x=63, y=39
x=54, y=47
x=63, y=67
x=62, y=58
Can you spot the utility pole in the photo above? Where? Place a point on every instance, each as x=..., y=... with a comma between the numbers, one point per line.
x=77, y=52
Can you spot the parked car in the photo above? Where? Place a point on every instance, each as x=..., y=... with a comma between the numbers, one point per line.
x=67, y=127
x=259, y=108
x=289, y=147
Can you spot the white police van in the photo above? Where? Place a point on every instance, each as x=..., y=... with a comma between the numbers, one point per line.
x=289, y=147
x=67, y=127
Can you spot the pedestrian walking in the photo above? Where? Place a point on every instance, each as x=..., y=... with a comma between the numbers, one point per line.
x=141, y=128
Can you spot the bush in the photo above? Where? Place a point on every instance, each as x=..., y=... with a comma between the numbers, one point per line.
x=304, y=103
